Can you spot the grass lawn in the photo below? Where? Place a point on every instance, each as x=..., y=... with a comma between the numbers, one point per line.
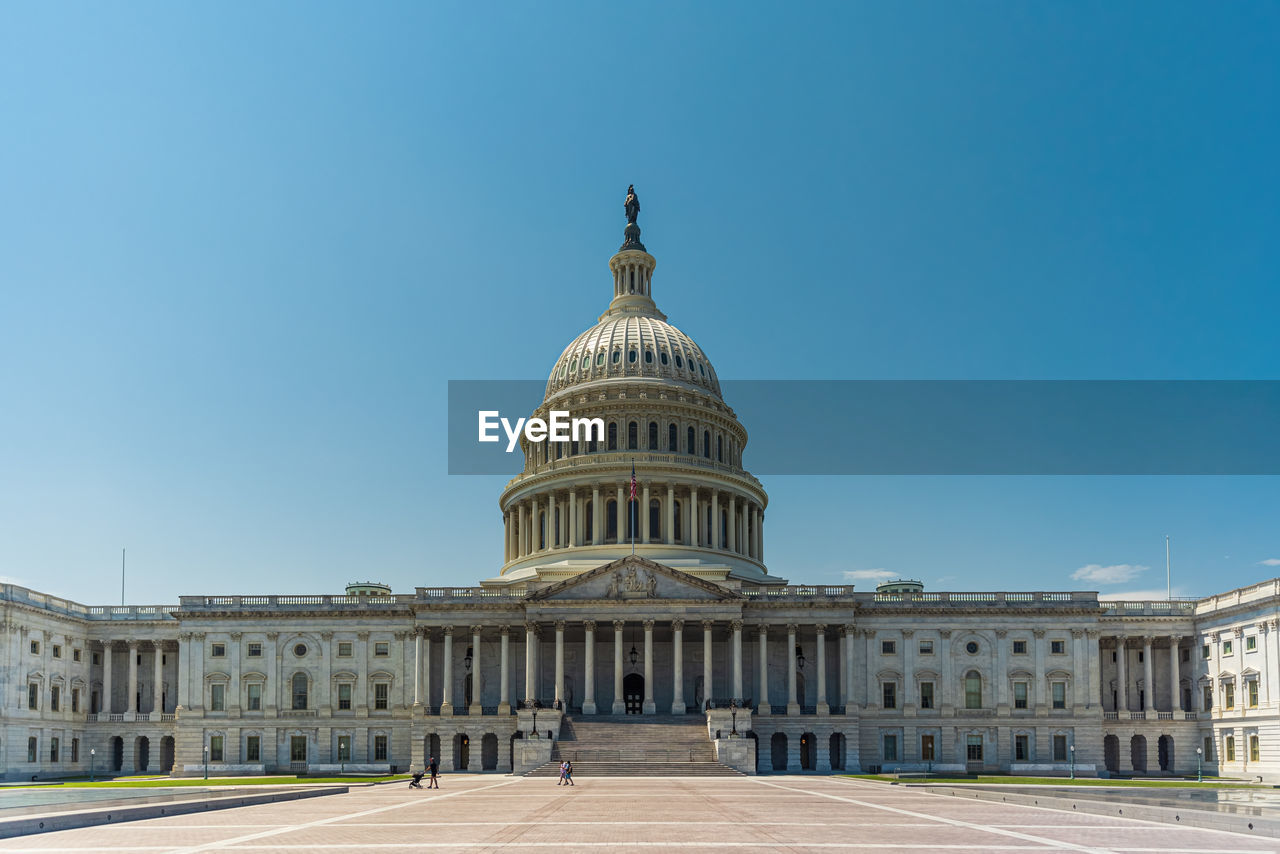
x=1209, y=783
x=169, y=782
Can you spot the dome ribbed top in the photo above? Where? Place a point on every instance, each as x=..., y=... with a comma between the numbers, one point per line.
x=632, y=345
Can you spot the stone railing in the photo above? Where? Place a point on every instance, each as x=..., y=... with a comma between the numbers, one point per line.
x=622, y=460
x=1155, y=608
x=294, y=603
x=58, y=605
x=1241, y=596
x=962, y=599
x=471, y=594
x=801, y=591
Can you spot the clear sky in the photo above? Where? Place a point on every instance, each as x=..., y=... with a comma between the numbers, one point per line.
x=245, y=246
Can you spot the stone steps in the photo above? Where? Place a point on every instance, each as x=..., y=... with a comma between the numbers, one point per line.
x=628, y=746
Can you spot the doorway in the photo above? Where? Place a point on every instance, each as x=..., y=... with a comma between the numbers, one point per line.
x=633, y=693
x=461, y=752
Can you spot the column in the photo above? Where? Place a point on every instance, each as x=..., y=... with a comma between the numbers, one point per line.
x=644, y=522
x=677, y=666
x=848, y=633
x=1002, y=672
x=708, y=677
x=504, y=672
x=842, y=668
x=417, y=667
x=233, y=690
x=622, y=519
x=446, y=694
x=732, y=533
x=1079, y=682
x=597, y=515
x=793, y=707
x=271, y=701
x=559, y=689
x=619, y=707
x=1174, y=678
x=736, y=625
x=530, y=678
x=589, y=670
x=550, y=527
x=157, y=683
x=1094, y=656
x=762, y=702
x=1148, y=685
x=695, y=526
x=873, y=695
x=477, y=701
x=1122, y=677
x=908, y=699
x=947, y=675
x=759, y=519
x=506, y=536
x=713, y=536
x=649, y=707
x=573, y=518
x=1042, y=702
x=106, y=674
x=823, y=707
x=669, y=535
x=131, y=701
x=361, y=699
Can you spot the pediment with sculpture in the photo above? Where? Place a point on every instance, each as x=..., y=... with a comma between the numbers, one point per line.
x=634, y=578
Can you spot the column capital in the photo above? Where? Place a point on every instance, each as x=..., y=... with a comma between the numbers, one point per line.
x=792, y=628
x=403, y=635
x=475, y=630
x=648, y=625
x=762, y=629
x=707, y=624
x=1092, y=634
x=560, y=624
x=677, y=625
x=505, y=631
x=735, y=625
x=133, y=644
x=589, y=625
x=1238, y=631
x=1175, y=640
x=906, y=633
x=182, y=636
x=945, y=634
x=448, y=631
x=360, y=636
x=531, y=628
x=619, y=625
x=273, y=636
x=1077, y=633
x=1003, y=633
x=848, y=629
x=1039, y=633
x=1147, y=640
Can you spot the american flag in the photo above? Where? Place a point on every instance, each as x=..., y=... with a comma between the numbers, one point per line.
x=633, y=482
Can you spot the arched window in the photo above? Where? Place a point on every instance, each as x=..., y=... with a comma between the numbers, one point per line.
x=972, y=690
x=693, y=441
x=299, y=690
x=589, y=528
x=542, y=530
x=631, y=356
x=706, y=444
x=555, y=537
x=591, y=443
x=613, y=436
x=611, y=520
x=653, y=435
x=724, y=530
x=655, y=519
x=648, y=357
x=633, y=436
x=720, y=449
x=673, y=444
x=677, y=535
x=617, y=356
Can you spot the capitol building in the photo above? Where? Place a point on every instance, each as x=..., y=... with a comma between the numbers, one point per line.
x=610, y=615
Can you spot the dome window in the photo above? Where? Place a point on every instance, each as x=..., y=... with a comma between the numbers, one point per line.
x=631, y=356
x=679, y=361
x=600, y=359
x=663, y=357
x=648, y=357
x=700, y=370
x=617, y=356
x=586, y=362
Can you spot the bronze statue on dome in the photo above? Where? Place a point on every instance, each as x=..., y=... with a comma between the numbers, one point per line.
x=632, y=204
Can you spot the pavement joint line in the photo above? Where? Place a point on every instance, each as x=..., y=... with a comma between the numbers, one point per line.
x=954, y=822
x=224, y=843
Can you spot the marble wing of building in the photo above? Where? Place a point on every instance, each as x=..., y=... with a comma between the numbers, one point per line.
x=622, y=629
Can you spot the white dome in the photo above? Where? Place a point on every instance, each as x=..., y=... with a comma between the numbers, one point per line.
x=627, y=346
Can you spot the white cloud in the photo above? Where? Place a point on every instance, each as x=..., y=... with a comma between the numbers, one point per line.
x=869, y=575
x=1140, y=595
x=1117, y=573
x=1271, y=561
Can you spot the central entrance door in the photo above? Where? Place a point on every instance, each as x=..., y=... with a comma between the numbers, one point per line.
x=633, y=693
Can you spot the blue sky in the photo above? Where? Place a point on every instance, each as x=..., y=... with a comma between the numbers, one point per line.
x=247, y=246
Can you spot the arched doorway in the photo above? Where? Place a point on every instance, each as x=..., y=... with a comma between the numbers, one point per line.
x=489, y=752
x=117, y=753
x=1138, y=753
x=1164, y=751
x=142, y=753
x=461, y=752
x=166, y=754
x=778, y=749
x=633, y=693
x=755, y=750
x=1111, y=753
x=432, y=747
x=837, y=751
x=807, y=751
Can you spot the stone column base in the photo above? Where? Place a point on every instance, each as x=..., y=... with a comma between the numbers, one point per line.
x=589, y=707
x=793, y=708
x=619, y=707
x=649, y=707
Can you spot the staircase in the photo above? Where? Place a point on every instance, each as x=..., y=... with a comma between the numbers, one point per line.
x=635, y=746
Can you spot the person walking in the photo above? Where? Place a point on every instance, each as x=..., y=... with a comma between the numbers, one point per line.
x=434, y=768
x=568, y=772
x=564, y=770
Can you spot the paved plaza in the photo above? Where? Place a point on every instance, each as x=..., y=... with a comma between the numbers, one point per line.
x=473, y=813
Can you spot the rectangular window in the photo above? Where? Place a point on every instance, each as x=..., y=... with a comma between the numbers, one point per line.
x=1227, y=647
x=1059, y=695
x=1020, y=753
x=926, y=647
x=253, y=749
x=297, y=748
x=57, y=650
x=97, y=658
x=1208, y=697
x=888, y=647
x=254, y=650
x=1228, y=695
x=973, y=748
x=215, y=748
x=889, y=747
x=1185, y=654
x=1253, y=693
x=35, y=647
x=926, y=695
x=1019, y=647
x=344, y=748
x=344, y=695
x=381, y=648
x=55, y=698
x=75, y=701
x=1059, y=748
x=218, y=650
x=890, y=695
x=53, y=749
x=32, y=747
x=380, y=692
x=1019, y=695
x=1251, y=643
x=380, y=748
x=344, y=649
x=75, y=750
x=217, y=698
x=75, y=656
x=926, y=748
x=33, y=696
x=1057, y=647
x=1253, y=748
x=255, y=696
x=1208, y=748
x=1231, y=748
x=1205, y=652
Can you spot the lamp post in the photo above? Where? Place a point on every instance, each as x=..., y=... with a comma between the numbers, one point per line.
x=1072, y=750
x=733, y=710
x=535, y=721
x=1199, y=768
x=92, y=753
x=206, y=762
